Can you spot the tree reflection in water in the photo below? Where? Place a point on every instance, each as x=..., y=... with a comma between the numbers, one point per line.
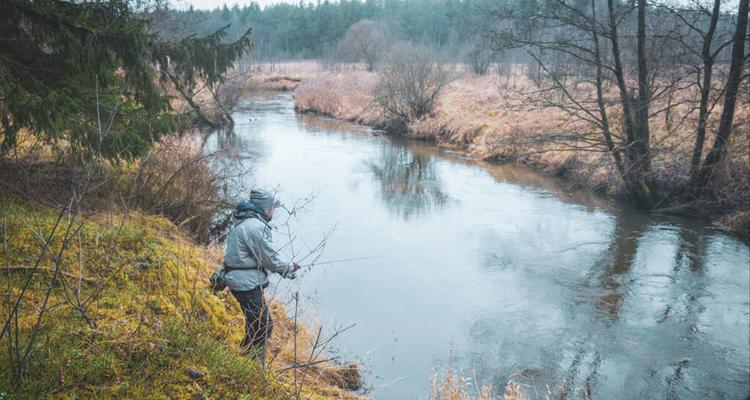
x=409, y=183
x=614, y=280
x=611, y=280
x=634, y=324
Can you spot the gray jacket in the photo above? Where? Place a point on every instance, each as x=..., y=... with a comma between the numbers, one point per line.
x=250, y=247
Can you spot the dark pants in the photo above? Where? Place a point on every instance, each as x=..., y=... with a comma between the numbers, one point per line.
x=258, y=324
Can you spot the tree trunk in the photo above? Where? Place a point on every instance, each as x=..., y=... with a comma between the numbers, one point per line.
x=719, y=150
x=708, y=65
x=643, y=132
x=197, y=108
x=606, y=131
x=637, y=168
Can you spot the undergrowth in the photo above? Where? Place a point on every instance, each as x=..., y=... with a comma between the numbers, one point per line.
x=128, y=314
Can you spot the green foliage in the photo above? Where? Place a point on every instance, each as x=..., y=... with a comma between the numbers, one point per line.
x=87, y=74
x=195, y=58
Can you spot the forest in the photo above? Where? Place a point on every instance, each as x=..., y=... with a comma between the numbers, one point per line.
x=313, y=30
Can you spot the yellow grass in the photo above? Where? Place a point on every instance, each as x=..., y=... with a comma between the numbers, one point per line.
x=496, y=117
x=155, y=318
x=278, y=76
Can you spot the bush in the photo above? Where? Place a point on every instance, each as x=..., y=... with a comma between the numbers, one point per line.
x=178, y=180
x=479, y=58
x=411, y=80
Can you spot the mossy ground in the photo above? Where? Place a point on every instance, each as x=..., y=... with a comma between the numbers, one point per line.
x=152, y=316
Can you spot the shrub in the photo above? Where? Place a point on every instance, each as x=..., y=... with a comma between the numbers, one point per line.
x=411, y=80
x=180, y=181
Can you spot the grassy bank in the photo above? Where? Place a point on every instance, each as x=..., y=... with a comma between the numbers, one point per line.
x=119, y=308
x=105, y=291
x=498, y=118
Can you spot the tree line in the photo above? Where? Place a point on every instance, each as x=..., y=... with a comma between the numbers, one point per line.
x=314, y=29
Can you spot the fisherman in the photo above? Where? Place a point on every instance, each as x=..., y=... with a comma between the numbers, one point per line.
x=248, y=258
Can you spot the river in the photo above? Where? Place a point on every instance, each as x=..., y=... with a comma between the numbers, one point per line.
x=494, y=270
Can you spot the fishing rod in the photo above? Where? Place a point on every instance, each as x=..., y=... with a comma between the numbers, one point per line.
x=341, y=260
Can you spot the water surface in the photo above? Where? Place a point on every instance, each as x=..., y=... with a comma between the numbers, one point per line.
x=496, y=270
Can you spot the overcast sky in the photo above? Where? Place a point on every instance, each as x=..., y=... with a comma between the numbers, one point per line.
x=211, y=4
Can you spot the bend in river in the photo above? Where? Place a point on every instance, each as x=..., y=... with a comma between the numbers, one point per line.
x=497, y=269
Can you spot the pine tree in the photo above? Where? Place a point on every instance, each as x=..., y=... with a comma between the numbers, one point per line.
x=89, y=74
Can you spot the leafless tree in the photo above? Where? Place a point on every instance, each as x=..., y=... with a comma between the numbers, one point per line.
x=365, y=41
x=226, y=95
x=700, y=180
x=479, y=57
x=615, y=67
x=411, y=80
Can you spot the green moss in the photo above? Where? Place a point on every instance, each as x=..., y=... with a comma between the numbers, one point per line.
x=155, y=317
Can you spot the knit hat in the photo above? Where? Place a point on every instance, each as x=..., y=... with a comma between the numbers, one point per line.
x=263, y=199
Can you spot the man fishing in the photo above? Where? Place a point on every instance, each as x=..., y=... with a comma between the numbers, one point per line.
x=248, y=257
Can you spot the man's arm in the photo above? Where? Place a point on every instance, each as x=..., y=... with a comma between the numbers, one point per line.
x=268, y=256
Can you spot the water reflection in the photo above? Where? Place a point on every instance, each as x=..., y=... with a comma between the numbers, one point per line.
x=611, y=279
x=688, y=283
x=635, y=317
x=408, y=180
x=521, y=175
x=614, y=266
x=316, y=123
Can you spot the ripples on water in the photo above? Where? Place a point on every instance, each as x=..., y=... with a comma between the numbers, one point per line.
x=501, y=271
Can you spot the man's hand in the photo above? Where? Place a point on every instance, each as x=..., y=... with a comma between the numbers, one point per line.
x=291, y=274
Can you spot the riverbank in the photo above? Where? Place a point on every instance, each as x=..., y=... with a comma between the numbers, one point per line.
x=110, y=287
x=489, y=118
x=129, y=315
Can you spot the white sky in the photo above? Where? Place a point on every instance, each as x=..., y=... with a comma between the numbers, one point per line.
x=211, y=4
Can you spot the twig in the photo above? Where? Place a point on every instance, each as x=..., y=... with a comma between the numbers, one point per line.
x=28, y=268
x=305, y=365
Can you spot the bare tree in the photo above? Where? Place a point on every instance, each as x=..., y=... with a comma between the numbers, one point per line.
x=692, y=18
x=615, y=67
x=737, y=64
x=411, y=80
x=365, y=41
x=479, y=57
x=577, y=32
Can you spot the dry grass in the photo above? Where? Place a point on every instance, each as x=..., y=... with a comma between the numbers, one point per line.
x=495, y=117
x=279, y=76
x=454, y=386
x=344, y=95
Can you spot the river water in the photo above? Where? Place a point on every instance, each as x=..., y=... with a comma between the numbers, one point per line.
x=495, y=271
